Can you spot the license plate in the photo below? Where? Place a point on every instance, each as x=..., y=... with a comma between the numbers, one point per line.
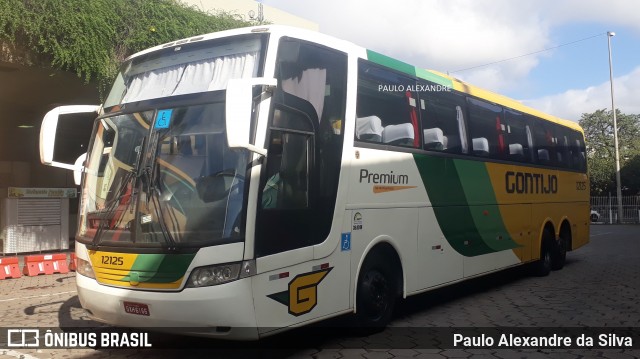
x=136, y=308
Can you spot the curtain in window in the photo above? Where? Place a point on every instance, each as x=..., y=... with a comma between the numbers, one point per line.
x=205, y=75
x=309, y=86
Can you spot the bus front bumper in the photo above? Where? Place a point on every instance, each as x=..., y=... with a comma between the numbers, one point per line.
x=224, y=311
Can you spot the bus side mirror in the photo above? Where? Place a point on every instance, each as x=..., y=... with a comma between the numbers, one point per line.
x=65, y=134
x=238, y=111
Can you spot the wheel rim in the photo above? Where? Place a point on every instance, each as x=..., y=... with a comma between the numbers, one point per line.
x=376, y=294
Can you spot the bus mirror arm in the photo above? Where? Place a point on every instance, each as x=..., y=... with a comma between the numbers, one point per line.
x=79, y=168
x=239, y=106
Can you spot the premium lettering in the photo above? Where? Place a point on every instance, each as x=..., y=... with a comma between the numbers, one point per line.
x=382, y=178
x=530, y=183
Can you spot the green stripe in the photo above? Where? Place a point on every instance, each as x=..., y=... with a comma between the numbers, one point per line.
x=387, y=61
x=481, y=198
x=464, y=204
x=430, y=76
x=160, y=268
x=445, y=191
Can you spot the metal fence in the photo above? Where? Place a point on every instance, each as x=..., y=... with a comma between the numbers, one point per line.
x=604, y=209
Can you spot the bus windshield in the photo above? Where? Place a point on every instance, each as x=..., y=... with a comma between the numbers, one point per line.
x=163, y=178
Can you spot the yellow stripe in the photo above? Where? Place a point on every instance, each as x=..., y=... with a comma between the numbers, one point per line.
x=114, y=261
x=108, y=270
x=142, y=285
x=111, y=272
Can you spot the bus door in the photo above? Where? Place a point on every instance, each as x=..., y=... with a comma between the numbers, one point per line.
x=298, y=190
x=288, y=280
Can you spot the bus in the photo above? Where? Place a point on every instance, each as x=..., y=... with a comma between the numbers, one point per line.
x=244, y=182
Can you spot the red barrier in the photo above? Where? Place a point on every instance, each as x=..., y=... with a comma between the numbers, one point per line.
x=45, y=264
x=9, y=268
x=73, y=264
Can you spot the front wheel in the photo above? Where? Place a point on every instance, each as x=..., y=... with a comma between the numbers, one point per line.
x=376, y=294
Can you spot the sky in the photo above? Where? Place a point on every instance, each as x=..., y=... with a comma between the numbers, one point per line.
x=462, y=36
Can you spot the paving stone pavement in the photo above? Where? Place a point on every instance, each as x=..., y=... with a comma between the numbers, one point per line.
x=599, y=287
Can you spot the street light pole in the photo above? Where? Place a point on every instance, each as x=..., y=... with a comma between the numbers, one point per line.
x=611, y=34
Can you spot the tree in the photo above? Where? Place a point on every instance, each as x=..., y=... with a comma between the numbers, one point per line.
x=92, y=37
x=598, y=129
x=630, y=176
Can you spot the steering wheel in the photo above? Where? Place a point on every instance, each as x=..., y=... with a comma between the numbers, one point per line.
x=215, y=187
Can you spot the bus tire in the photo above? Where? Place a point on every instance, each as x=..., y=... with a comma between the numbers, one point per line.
x=376, y=294
x=542, y=267
x=558, y=253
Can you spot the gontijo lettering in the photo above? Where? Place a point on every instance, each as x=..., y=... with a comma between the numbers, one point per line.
x=522, y=182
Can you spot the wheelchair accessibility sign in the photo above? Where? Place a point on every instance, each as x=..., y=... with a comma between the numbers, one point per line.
x=345, y=242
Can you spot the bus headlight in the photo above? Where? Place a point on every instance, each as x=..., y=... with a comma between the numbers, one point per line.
x=84, y=268
x=220, y=273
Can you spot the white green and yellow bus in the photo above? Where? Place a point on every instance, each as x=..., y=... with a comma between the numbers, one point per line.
x=248, y=181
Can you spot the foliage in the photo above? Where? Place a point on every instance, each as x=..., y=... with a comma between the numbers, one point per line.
x=630, y=176
x=91, y=37
x=598, y=128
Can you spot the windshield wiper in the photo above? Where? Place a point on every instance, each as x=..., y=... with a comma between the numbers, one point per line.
x=153, y=192
x=152, y=188
x=105, y=215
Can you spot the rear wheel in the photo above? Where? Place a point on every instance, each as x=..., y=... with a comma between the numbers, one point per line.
x=542, y=267
x=376, y=294
x=559, y=253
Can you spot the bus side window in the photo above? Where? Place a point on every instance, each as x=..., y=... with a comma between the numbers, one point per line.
x=576, y=151
x=546, y=143
x=443, y=121
x=386, y=113
x=271, y=190
x=582, y=152
x=565, y=157
x=288, y=163
x=287, y=185
x=532, y=145
x=487, y=129
x=518, y=137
